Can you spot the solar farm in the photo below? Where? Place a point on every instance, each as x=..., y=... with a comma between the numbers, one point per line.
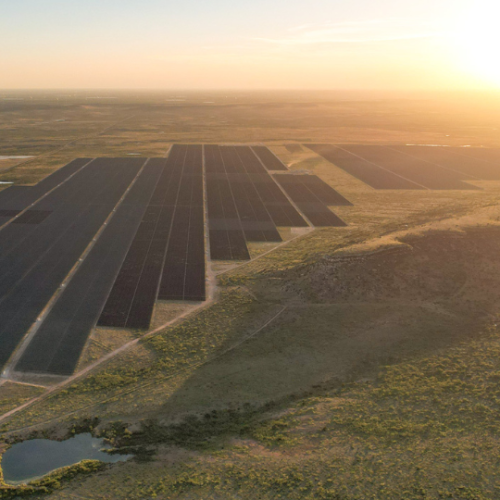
x=100, y=241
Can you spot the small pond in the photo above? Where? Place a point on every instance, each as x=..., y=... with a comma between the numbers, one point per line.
x=32, y=459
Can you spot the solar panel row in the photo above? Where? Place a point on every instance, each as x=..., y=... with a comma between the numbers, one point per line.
x=488, y=166
x=362, y=169
x=282, y=212
x=58, y=343
x=248, y=162
x=227, y=241
x=183, y=276
x=303, y=192
x=21, y=197
x=270, y=161
x=410, y=167
x=323, y=191
x=36, y=258
x=466, y=163
x=11, y=193
x=255, y=220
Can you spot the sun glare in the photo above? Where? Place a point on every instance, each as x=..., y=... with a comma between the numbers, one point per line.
x=477, y=39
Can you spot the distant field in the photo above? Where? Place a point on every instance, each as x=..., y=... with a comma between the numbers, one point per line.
x=344, y=362
x=57, y=127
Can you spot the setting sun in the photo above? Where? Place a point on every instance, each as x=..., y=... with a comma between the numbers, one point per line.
x=477, y=39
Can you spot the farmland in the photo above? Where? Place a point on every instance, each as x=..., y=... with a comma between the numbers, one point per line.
x=327, y=337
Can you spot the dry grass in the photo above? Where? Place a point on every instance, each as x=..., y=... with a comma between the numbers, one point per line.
x=14, y=394
x=424, y=429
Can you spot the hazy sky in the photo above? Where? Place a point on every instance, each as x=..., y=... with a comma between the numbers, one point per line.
x=299, y=44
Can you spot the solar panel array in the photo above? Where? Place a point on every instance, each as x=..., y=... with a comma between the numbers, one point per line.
x=165, y=242
x=321, y=190
x=36, y=258
x=59, y=341
x=255, y=219
x=488, y=166
x=132, y=298
x=311, y=196
x=20, y=197
x=15, y=199
x=413, y=167
x=466, y=163
x=122, y=233
x=281, y=210
x=244, y=202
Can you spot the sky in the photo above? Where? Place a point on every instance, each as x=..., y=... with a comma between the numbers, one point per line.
x=250, y=44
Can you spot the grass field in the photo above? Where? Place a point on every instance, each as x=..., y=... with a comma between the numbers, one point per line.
x=347, y=363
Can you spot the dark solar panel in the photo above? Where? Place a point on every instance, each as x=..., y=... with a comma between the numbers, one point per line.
x=410, y=167
x=183, y=276
x=268, y=158
x=227, y=241
x=32, y=217
x=385, y=167
x=9, y=213
x=21, y=197
x=323, y=191
x=281, y=211
x=467, y=163
x=308, y=201
x=362, y=169
x=256, y=222
x=7, y=196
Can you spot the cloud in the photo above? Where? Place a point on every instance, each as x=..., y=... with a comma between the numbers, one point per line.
x=360, y=25
x=351, y=32
x=307, y=41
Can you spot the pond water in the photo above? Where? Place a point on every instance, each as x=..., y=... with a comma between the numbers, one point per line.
x=32, y=459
